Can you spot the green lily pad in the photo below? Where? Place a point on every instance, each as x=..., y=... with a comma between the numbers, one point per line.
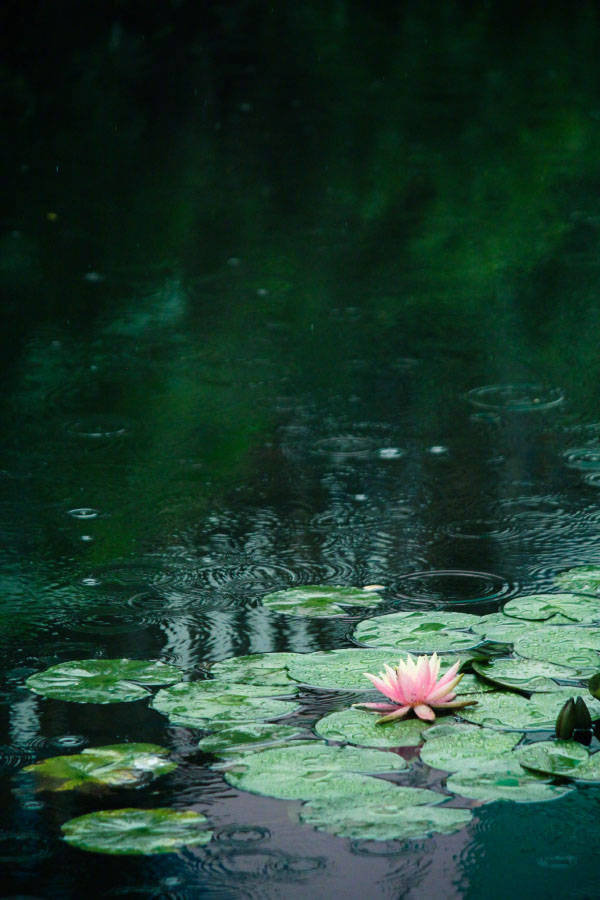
x=137, y=831
x=573, y=646
x=397, y=814
x=526, y=675
x=566, y=759
x=419, y=632
x=256, y=668
x=319, y=600
x=305, y=771
x=342, y=670
x=454, y=747
x=507, y=629
x=512, y=712
x=116, y=765
x=503, y=779
x=204, y=704
x=247, y=738
x=585, y=579
x=359, y=726
x=102, y=680
x=567, y=607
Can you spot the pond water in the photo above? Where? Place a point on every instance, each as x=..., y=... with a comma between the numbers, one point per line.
x=298, y=295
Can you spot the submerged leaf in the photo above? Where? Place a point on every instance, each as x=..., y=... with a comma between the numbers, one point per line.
x=247, y=738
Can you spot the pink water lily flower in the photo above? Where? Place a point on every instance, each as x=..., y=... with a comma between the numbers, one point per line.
x=414, y=685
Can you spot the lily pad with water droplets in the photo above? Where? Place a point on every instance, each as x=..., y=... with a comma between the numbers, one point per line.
x=503, y=779
x=572, y=646
x=213, y=704
x=566, y=759
x=513, y=712
x=397, y=813
x=137, y=831
x=116, y=765
x=455, y=747
x=248, y=738
x=102, y=680
x=256, y=668
x=584, y=579
x=312, y=770
x=419, y=632
x=320, y=600
x=506, y=629
x=557, y=608
x=526, y=675
x=342, y=670
x=359, y=726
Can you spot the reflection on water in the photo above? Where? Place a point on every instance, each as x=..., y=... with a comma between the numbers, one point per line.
x=277, y=318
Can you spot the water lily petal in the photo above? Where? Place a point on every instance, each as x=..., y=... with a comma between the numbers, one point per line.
x=397, y=714
x=424, y=712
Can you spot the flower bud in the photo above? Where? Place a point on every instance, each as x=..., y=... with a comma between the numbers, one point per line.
x=583, y=720
x=565, y=722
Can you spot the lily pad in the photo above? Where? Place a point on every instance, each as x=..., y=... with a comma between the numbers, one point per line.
x=456, y=747
x=419, y=632
x=503, y=779
x=312, y=770
x=247, y=738
x=204, y=704
x=137, y=831
x=342, y=670
x=573, y=646
x=567, y=759
x=512, y=712
x=319, y=600
x=567, y=607
x=397, y=814
x=102, y=680
x=256, y=668
x=359, y=726
x=116, y=765
x=506, y=629
x=585, y=579
x=526, y=675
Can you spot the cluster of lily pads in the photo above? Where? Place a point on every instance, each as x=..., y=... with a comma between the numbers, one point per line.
x=523, y=665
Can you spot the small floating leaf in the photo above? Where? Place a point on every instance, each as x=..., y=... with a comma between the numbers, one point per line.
x=397, y=814
x=247, y=738
x=116, y=765
x=203, y=704
x=457, y=747
x=359, y=726
x=102, y=680
x=256, y=668
x=503, y=779
x=419, y=632
x=137, y=831
x=319, y=600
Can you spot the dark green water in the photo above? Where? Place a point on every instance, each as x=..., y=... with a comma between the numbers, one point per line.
x=293, y=294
